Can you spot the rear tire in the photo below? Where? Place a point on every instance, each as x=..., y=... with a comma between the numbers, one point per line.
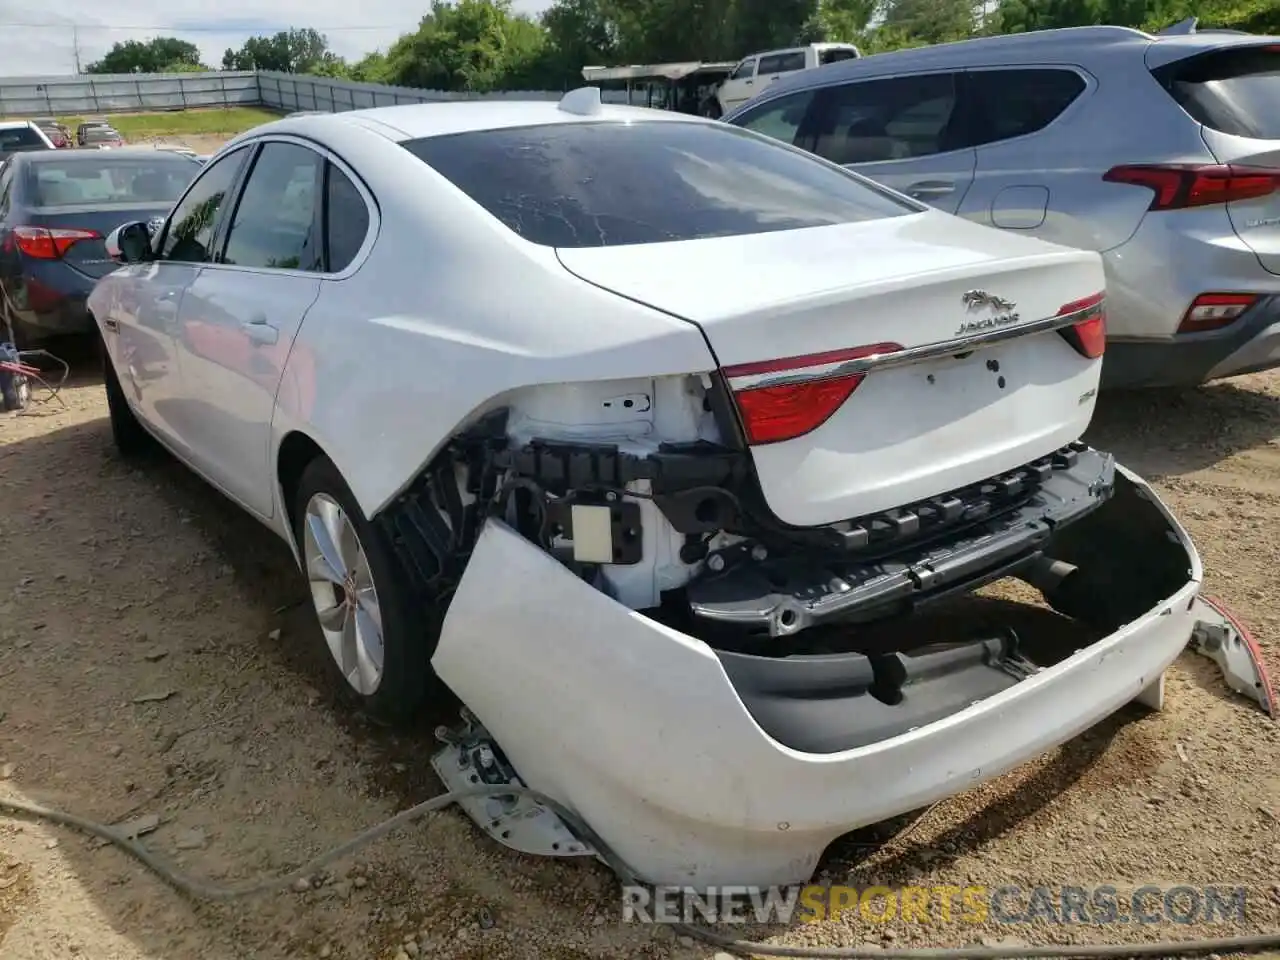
x=131, y=438
x=379, y=641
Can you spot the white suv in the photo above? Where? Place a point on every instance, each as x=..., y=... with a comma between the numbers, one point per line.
x=753, y=74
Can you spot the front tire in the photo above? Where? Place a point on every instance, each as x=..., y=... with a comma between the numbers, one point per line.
x=379, y=644
x=131, y=438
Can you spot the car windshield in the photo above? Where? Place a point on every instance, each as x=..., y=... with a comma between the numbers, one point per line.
x=611, y=183
x=124, y=180
x=16, y=138
x=1235, y=91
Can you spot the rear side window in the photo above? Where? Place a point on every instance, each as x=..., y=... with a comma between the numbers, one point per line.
x=610, y=184
x=1014, y=103
x=346, y=219
x=835, y=55
x=782, y=62
x=1234, y=91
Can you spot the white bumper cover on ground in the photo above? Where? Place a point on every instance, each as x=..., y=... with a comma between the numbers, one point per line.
x=637, y=727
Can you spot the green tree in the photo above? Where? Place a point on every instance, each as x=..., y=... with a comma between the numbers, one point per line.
x=157, y=55
x=289, y=51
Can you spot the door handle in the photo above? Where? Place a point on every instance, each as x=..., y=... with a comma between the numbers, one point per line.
x=259, y=331
x=748, y=82
x=930, y=188
x=110, y=323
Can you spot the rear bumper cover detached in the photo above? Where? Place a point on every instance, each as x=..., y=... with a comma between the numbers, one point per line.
x=646, y=731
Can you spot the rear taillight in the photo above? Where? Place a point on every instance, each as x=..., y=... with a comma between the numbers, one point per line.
x=1179, y=186
x=1213, y=311
x=50, y=243
x=1088, y=333
x=784, y=399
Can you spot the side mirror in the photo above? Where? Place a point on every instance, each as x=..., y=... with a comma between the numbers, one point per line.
x=130, y=243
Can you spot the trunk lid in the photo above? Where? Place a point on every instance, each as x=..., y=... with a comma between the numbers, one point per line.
x=1233, y=91
x=945, y=412
x=89, y=256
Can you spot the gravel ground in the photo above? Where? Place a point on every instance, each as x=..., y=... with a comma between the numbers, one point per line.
x=147, y=669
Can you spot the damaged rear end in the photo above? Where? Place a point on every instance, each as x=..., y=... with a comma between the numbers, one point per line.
x=728, y=616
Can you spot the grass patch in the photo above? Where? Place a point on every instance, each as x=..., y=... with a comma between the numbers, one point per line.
x=216, y=121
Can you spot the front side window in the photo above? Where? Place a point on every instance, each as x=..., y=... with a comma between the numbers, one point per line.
x=895, y=119
x=608, y=184
x=1014, y=103
x=191, y=225
x=780, y=118
x=274, y=224
x=745, y=70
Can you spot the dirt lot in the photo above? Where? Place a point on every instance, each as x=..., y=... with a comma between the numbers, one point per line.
x=146, y=667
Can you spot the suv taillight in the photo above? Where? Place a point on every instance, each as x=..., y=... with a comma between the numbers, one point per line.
x=50, y=243
x=1179, y=186
x=1213, y=311
x=787, y=398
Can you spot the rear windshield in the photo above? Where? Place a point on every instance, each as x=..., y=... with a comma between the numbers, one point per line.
x=15, y=138
x=1234, y=91
x=100, y=135
x=75, y=182
x=610, y=184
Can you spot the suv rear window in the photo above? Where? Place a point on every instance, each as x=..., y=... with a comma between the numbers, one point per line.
x=1234, y=91
x=15, y=138
x=608, y=184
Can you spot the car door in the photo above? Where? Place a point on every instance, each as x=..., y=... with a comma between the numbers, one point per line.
x=739, y=86
x=906, y=132
x=140, y=325
x=1022, y=181
x=239, y=318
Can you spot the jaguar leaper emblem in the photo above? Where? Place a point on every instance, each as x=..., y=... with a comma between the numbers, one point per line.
x=1002, y=315
x=974, y=299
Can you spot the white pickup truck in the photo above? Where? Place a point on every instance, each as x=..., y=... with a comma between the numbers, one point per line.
x=754, y=73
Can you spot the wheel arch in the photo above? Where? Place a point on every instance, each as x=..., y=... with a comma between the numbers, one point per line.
x=297, y=449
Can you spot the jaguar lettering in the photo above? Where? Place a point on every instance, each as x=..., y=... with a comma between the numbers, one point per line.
x=987, y=323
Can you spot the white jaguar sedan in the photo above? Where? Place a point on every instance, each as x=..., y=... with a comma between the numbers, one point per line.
x=654, y=440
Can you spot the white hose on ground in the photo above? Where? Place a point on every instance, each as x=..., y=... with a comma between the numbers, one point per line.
x=201, y=890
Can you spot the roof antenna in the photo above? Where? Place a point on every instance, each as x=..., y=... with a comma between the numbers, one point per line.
x=1181, y=28
x=584, y=102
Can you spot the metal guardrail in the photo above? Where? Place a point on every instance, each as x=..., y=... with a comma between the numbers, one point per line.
x=144, y=92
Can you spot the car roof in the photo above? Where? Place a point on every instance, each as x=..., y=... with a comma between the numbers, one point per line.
x=412, y=121
x=1066, y=44
x=14, y=124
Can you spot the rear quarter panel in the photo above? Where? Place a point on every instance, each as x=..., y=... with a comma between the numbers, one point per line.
x=450, y=311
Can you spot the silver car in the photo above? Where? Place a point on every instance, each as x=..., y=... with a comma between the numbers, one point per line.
x=1160, y=152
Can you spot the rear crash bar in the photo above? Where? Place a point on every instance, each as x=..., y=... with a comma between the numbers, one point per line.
x=785, y=594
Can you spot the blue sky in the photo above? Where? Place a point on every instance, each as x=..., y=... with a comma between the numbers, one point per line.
x=36, y=41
